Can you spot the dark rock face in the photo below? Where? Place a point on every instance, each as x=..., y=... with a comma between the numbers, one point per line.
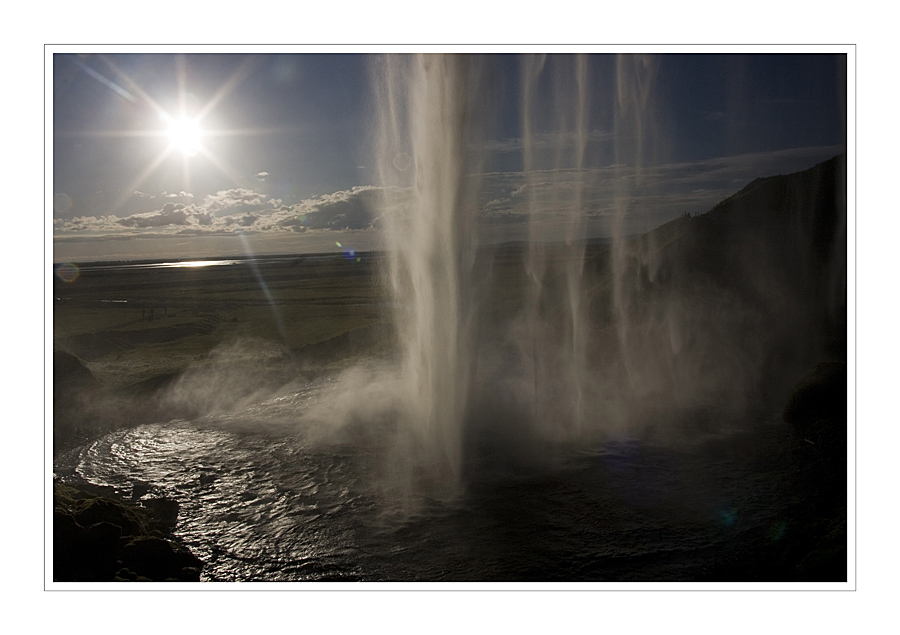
x=98, y=539
x=817, y=411
x=809, y=543
x=821, y=394
x=754, y=291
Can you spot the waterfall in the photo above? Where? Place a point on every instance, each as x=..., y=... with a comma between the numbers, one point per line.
x=425, y=122
x=432, y=115
x=554, y=144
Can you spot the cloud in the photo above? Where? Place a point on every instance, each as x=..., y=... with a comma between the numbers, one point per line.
x=261, y=176
x=171, y=214
x=155, y=220
x=243, y=210
x=347, y=209
x=181, y=194
x=650, y=194
x=236, y=201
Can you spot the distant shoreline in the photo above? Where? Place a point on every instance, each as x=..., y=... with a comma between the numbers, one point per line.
x=122, y=262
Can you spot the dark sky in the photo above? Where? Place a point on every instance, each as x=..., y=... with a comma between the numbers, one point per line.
x=737, y=104
x=287, y=142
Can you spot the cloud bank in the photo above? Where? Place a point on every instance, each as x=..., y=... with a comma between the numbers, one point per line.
x=236, y=210
x=652, y=195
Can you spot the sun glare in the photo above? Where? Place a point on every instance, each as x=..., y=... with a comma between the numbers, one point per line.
x=184, y=134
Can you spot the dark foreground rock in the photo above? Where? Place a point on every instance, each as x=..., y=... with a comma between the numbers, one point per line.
x=99, y=539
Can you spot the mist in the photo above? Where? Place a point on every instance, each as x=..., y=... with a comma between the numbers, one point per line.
x=369, y=393
x=503, y=355
x=514, y=351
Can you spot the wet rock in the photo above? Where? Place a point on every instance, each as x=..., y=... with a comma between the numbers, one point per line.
x=100, y=510
x=98, y=539
x=160, y=559
x=83, y=554
x=164, y=510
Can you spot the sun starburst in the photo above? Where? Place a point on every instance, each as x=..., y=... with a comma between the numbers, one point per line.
x=184, y=133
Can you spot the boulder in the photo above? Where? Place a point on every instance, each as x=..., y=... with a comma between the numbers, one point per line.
x=99, y=539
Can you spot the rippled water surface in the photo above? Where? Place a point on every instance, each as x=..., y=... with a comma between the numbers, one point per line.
x=261, y=499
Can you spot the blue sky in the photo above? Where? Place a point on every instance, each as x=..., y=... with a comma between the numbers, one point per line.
x=286, y=163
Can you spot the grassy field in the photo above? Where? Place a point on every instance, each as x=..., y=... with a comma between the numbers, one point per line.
x=130, y=324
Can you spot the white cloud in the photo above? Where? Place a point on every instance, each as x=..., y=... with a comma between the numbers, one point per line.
x=234, y=201
x=239, y=209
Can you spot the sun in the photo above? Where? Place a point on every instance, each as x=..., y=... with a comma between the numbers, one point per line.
x=184, y=131
x=184, y=134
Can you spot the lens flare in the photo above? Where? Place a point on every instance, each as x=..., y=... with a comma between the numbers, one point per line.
x=61, y=203
x=68, y=272
x=348, y=252
x=402, y=161
x=728, y=517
